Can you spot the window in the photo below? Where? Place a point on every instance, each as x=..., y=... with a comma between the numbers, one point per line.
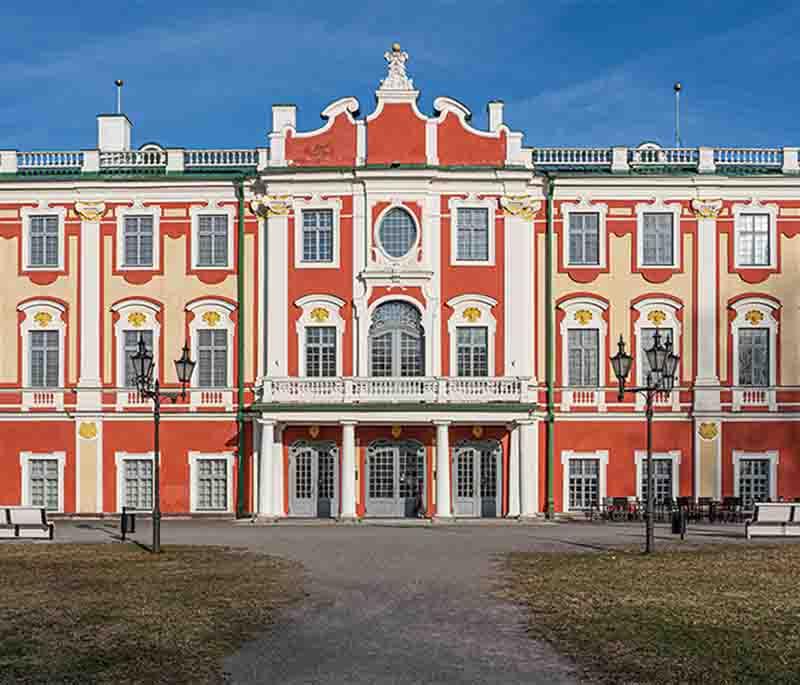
x=584, y=483
x=584, y=238
x=397, y=233
x=44, y=359
x=138, y=483
x=317, y=235
x=212, y=240
x=754, y=481
x=583, y=356
x=131, y=343
x=396, y=340
x=43, y=483
x=662, y=474
x=212, y=484
x=321, y=351
x=138, y=237
x=752, y=240
x=472, y=234
x=43, y=242
x=754, y=357
x=657, y=240
x=212, y=358
x=472, y=351
x=646, y=339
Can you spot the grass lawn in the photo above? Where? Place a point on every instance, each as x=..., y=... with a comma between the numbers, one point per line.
x=712, y=615
x=117, y=614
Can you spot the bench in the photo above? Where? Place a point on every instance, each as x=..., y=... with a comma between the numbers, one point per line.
x=781, y=519
x=25, y=522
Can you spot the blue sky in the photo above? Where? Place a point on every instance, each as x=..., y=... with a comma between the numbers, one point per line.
x=570, y=72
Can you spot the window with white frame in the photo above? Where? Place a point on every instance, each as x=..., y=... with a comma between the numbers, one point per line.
x=754, y=357
x=647, y=337
x=318, y=235
x=583, y=347
x=753, y=240
x=584, y=238
x=212, y=240
x=754, y=338
x=754, y=481
x=212, y=358
x=130, y=343
x=472, y=351
x=584, y=483
x=212, y=484
x=43, y=242
x=321, y=351
x=662, y=475
x=45, y=358
x=472, y=234
x=137, y=482
x=658, y=239
x=43, y=480
x=397, y=232
x=138, y=241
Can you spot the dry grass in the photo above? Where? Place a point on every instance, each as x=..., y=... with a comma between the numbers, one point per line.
x=117, y=614
x=713, y=615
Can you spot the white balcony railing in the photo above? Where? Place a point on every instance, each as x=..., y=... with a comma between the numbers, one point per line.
x=754, y=398
x=676, y=156
x=748, y=157
x=412, y=389
x=27, y=161
x=133, y=159
x=571, y=156
x=219, y=158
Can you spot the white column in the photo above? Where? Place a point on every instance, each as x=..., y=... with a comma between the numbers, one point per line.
x=443, y=508
x=513, y=473
x=277, y=296
x=266, y=474
x=707, y=381
x=518, y=296
x=529, y=468
x=277, y=473
x=348, y=470
x=90, y=399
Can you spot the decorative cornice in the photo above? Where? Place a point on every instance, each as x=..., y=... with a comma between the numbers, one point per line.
x=523, y=206
x=90, y=211
x=706, y=209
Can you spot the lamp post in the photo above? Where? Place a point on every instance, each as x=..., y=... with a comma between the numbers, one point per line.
x=150, y=388
x=660, y=379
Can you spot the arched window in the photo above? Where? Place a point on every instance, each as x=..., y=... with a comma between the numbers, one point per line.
x=397, y=233
x=397, y=340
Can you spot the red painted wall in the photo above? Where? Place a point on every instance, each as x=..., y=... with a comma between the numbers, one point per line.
x=334, y=147
x=458, y=146
x=396, y=135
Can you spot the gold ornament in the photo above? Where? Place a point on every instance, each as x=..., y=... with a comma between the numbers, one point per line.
x=397, y=431
x=477, y=431
x=472, y=314
x=657, y=317
x=313, y=431
x=271, y=205
x=754, y=316
x=137, y=319
x=320, y=314
x=211, y=318
x=707, y=209
x=708, y=431
x=583, y=316
x=43, y=319
x=522, y=206
x=90, y=211
x=88, y=430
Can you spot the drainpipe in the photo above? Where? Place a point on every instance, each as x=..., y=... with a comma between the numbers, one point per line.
x=240, y=495
x=549, y=342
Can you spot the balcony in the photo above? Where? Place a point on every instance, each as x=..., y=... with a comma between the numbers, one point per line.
x=354, y=390
x=754, y=398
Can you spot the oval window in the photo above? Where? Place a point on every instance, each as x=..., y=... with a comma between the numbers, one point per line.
x=397, y=232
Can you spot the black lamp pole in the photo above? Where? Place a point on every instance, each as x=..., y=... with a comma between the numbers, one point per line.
x=660, y=379
x=150, y=388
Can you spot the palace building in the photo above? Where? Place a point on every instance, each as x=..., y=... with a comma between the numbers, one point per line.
x=395, y=314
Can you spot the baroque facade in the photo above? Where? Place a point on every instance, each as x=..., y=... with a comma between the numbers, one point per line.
x=395, y=314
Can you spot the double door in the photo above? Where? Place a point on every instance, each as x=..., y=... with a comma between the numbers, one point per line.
x=396, y=482
x=314, y=479
x=477, y=479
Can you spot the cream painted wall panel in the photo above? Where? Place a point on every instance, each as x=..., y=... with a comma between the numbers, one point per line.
x=708, y=468
x=87, y=474
x=249, y=308
x=540, y=306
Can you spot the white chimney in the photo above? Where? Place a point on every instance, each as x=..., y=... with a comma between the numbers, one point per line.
x=283, y=115
x=495, y=108
x=113, y=132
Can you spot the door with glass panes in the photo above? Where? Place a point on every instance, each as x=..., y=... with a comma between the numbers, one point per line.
x=396, y=341
x=477, y=478
x=396, y=483
x=314, y=479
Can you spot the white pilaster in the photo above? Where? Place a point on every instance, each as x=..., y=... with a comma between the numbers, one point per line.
x=518, y=300
x=277, y=296
x=443, y=508
x=348, y=470
x=278, y=510
x=265, y=488
x=90, y=399
x=707, y=382
x=529, y=468
x=513, y=473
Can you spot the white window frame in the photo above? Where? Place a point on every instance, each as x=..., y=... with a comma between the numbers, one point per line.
x=42, y=210
x=383, y=257
x=138, y=209
x=205, y=310
x=755, y=395
x=119, y=461
x=25, y=459
x=659, y=207
x=300, y=205
x=584, y=397
x=585, y=206
x=129, y=311
x=332, y=305
x=53, y=397
x=213, y=209
x=755, y=207
x=460, y=304
x=640, y=459
x=194, y=458
x=646, y=308
x=602, y=489
x=472, y=202
x=773, y=456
